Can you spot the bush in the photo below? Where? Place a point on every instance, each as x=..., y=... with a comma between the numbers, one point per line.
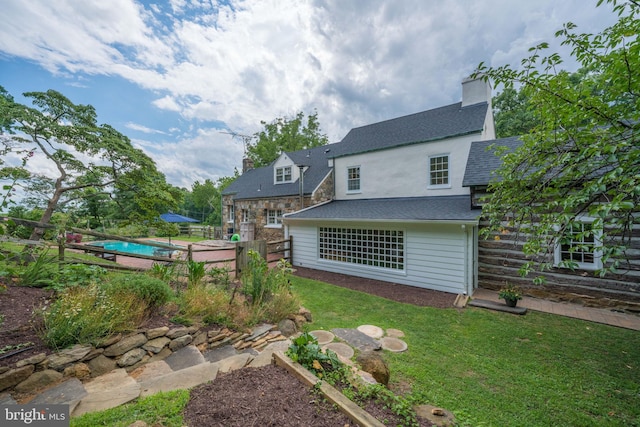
x=205, y=303
x=88, y=314
x=154, y=292
x=40, y=272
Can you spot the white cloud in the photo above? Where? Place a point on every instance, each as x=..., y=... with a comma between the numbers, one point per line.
x=243, y=61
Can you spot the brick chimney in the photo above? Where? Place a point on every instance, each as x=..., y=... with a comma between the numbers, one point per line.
x=247, y=164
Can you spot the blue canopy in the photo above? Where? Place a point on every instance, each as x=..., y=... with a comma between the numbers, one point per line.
x=173, y=217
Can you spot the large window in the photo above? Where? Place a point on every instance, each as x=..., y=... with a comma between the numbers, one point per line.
x=579, y=247
x=375, y=248
x=274, y=217
x=439, y=171
x=353, y=179
x=283, y=174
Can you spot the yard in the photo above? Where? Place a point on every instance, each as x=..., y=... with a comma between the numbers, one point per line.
x=489, y=368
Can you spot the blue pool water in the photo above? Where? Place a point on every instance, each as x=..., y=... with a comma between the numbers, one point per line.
x=132, y=248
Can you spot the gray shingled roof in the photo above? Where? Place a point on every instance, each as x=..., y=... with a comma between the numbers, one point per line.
x=438, y=208
x=438, y=123
x=258, y=183
x=482, y=161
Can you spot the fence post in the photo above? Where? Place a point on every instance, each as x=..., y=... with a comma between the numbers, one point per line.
x=291, y=250
x=189, y=252
x=60, y=248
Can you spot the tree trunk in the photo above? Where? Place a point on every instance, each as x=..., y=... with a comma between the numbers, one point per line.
x=47, y=214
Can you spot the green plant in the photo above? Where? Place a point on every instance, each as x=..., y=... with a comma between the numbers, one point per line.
x=196, y=271
x=154, y=292
x=165, y=272
x=510, y=292
x=209, y=304
x=87, y=314
x=306, y=351
x=40, y=272
x=78, y=275
x=220, y=275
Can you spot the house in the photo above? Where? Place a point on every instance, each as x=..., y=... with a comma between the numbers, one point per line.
x=400, y=212
x=501, y=256
x=254, y=204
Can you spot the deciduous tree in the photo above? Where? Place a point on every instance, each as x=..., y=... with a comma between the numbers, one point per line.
x=582, y=158
x=82, y=153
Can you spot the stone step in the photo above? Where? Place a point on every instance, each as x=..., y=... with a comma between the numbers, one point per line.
x=108, y=391
x=492, y=305
x=182, y=379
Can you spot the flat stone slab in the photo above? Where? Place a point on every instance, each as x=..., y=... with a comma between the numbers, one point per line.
x=220, y=353
x=395, y=333
x=374, y=332
x=498, y=306
x=234, y=362
x=183, y=379
x=108, y=391
x=356, y=339
x=266, y=357
x=69, y=393
x=323, y=337
x=184, y=358
x=393, y=345
x=341, y=349
x=259, y=331
x=150, y=370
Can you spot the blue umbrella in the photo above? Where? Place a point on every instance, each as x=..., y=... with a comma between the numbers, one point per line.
x=174, y=217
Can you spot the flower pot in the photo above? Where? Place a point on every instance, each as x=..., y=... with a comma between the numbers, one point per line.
x=511, y=302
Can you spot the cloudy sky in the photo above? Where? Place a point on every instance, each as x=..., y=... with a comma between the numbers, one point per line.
x=175, y=75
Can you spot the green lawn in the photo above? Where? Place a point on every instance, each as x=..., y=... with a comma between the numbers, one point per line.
x=498, y=369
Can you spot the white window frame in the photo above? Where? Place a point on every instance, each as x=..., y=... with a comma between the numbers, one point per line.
x=232, y=214
x=577, y=258
x=283, y=174
x=354, y=180
x=274, y=218
x=366, y=248
x=430, y=179
x=245, y=215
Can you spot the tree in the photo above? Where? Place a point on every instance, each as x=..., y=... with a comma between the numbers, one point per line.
x=83, y=153
x=205, y=197
x=512, y=113
x=582, y=158
x=285, y=134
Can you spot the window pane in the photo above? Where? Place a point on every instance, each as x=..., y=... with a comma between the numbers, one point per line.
x=375, y=248
x=439, y=170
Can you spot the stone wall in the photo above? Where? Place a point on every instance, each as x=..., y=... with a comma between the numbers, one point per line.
x=131, y=351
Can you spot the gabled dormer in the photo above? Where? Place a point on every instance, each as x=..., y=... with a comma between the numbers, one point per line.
x=285, y=171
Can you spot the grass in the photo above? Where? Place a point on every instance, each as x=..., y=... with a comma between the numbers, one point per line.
x=498, y=369
x=161, y=409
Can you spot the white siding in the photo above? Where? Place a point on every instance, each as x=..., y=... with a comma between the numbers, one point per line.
x=436, y=255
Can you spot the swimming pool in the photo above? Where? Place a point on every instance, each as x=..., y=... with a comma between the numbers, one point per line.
x=134, y=248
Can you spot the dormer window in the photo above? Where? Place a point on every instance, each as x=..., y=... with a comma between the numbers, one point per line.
x=283, y=174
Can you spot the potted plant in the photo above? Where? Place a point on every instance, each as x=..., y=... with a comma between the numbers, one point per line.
x=510, y=294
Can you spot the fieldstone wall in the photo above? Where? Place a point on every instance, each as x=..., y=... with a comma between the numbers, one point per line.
x=133, y=350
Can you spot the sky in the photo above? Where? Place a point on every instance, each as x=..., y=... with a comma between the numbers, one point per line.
x=178, y=76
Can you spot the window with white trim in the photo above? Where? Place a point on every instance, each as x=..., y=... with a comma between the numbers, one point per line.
x=578, y=248
x=231, y=217
x=274, y=217
x=353, y=179
x=367, y=247
x=283, y=174
x=439, y=171
x=245, y=215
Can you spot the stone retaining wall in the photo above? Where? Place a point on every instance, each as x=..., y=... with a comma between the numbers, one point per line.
x=131, y=351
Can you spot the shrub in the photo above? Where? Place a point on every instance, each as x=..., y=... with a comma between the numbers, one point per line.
x=88, y=314
x=78, y=275
x=164, y=272
x=205, y=303
x=154, y=292
x=196, y=271
x=220, y=275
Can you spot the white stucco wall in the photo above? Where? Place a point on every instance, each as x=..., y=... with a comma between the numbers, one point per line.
x=402, y=171
x=437, y=256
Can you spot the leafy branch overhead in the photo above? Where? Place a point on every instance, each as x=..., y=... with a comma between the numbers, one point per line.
x=581, y=159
